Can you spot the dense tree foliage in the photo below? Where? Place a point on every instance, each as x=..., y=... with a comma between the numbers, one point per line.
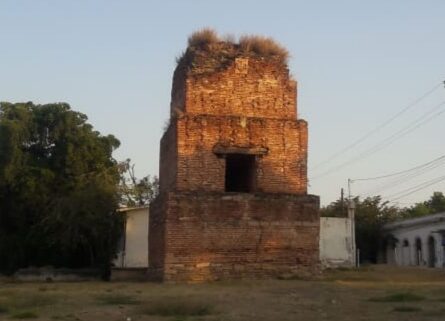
x=372, y=214
x=58, y=189
x=435, y=204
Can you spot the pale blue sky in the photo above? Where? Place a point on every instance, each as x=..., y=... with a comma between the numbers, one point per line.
x=357, y=63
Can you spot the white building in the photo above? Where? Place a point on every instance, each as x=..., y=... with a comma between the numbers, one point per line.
x=336, y=242
x=417, y=241
x=133, y=249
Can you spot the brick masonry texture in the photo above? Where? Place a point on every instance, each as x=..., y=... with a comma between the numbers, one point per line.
x=197, y=230
x=213, y=236
x=251, y=87
x=188, y=161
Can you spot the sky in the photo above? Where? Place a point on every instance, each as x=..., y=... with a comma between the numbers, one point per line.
x=358, y=64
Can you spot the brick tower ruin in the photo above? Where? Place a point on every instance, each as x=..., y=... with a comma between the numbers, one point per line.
x=233, y=196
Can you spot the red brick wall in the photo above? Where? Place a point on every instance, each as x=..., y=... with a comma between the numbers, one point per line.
x=217, y=235
x=168, y=159
x=251, y=87
x=282, y=170
x=198, y=232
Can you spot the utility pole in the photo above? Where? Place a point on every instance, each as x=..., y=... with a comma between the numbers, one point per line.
x=342, y=201
x=351, y=216
x=349, y=188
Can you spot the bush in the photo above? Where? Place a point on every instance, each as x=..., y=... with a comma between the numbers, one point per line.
x=263, y=46
x=218, y=50
x=203, y=37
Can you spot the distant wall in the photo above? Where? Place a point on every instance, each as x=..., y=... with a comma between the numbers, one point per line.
x=335, y=242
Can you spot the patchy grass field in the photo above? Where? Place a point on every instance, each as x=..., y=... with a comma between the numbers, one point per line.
x=371, y=293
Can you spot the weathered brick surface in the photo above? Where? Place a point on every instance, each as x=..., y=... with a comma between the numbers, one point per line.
x=193, y=165
x=197, y=230
x=250, y=87
x=210, y=236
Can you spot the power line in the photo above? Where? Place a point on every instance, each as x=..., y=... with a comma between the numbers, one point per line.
x=382, y=125
x=388, y=141
x=403, y=179
x=416, y=188
x=409, y=128
x=401, y=172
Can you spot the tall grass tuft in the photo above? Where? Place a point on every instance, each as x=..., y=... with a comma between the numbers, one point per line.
x=263, y=46
x=208, y=41
x=203, y=37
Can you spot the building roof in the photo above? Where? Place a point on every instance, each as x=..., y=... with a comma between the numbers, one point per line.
x=129, y=209
x=428, y=219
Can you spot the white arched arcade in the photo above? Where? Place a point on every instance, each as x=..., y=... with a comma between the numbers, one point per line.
x=416, y=242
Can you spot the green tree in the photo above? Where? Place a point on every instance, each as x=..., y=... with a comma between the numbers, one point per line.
x=371, y=215
x=58, y=189
x=134, y=191
x=435, y=204
x=337, y=208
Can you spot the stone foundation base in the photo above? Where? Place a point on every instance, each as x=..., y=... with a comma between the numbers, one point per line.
x=198, y=236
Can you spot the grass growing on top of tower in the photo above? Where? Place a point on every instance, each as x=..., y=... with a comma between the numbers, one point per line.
x=263, y=46
x=208, y=44
x=203, y=37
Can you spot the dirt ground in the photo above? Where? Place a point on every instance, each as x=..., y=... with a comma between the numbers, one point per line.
x=370, y=293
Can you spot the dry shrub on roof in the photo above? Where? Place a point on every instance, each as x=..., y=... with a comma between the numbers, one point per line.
x=207, y=52
x=203, y=37
x=263, y=46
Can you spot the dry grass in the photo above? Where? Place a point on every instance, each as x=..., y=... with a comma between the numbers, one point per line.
x=24, y=315
x=263, y=46
x=373, y=293
x=178, y=307
x=220, y=49
x=406, y=309
x=3, y=309
x=399, y=297
x=203, y=37
x=117, y=299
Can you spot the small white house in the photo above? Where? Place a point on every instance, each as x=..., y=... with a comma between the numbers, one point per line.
x=417, y=241
x=133, y=248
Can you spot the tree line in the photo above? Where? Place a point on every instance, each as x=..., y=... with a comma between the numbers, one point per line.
x=59, y=189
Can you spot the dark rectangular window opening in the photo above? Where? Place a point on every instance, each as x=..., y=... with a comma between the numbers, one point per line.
x=240, y=173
